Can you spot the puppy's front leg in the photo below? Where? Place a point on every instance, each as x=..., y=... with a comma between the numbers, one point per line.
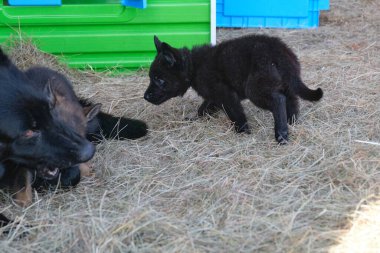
x=207, y=107
x=235, y=112
x=280, y=117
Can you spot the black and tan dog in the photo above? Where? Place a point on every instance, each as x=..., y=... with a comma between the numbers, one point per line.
x=69, y=110
x=260, y=68
x=84, y=117
x=44, y=130
x=32, y=137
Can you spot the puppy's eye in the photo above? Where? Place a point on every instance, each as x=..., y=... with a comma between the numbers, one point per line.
x=159, y=82
x=30, y=134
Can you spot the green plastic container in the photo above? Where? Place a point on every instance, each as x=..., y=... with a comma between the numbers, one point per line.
x=104, y=34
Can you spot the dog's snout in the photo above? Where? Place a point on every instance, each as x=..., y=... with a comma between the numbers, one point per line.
x=87, y=152
x=148, y=96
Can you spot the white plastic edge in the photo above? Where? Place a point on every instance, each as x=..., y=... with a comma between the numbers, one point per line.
x=213, y=22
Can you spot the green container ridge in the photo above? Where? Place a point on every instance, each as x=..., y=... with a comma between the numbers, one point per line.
x=103, y=33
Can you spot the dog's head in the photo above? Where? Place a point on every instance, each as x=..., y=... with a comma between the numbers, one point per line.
x=67, y=106
x=169, y=73
x=31, y=132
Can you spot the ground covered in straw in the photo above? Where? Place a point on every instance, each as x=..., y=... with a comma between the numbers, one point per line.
x=199, y=187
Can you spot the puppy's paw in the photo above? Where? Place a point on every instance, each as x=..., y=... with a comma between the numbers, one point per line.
x=243, y=128
x=282, y=139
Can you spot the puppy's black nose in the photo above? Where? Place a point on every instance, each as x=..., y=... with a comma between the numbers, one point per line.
x=148, y=96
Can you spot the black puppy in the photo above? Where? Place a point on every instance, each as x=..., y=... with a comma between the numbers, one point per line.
x=260, y=68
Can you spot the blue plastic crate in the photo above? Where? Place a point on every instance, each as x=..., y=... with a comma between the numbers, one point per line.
x=34, y=2
x=269, y=13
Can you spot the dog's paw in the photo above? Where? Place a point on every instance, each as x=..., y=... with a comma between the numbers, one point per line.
x=85, y=169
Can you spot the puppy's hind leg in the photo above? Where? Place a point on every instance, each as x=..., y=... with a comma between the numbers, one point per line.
x=280, y=117
x=292, y=108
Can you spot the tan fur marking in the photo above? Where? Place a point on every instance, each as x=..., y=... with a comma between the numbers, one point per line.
x=24, y=192
x=85, y=169
x=72, y=114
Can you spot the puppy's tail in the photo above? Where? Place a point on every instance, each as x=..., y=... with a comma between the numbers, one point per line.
x=308, y=94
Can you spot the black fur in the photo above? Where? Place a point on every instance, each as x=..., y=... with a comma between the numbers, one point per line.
x=258, y=67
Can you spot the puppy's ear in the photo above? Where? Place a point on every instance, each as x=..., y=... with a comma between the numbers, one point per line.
x=92, y=111
x=48, y=91
x=171, y=55
x=157, y=43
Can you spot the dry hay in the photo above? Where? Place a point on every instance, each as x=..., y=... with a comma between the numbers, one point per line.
x=199, y=187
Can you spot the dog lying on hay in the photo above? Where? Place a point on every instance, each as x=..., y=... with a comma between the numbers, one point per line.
x=47, y=134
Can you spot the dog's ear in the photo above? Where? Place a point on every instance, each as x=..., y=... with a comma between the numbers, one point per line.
x=91, y=111
x=157, y=43
x=171, y=55
x=48, y=91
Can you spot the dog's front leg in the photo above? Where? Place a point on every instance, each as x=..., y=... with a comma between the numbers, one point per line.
x=85, y=169
x=22, y=185
x=280, y=117
x=70, y=176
